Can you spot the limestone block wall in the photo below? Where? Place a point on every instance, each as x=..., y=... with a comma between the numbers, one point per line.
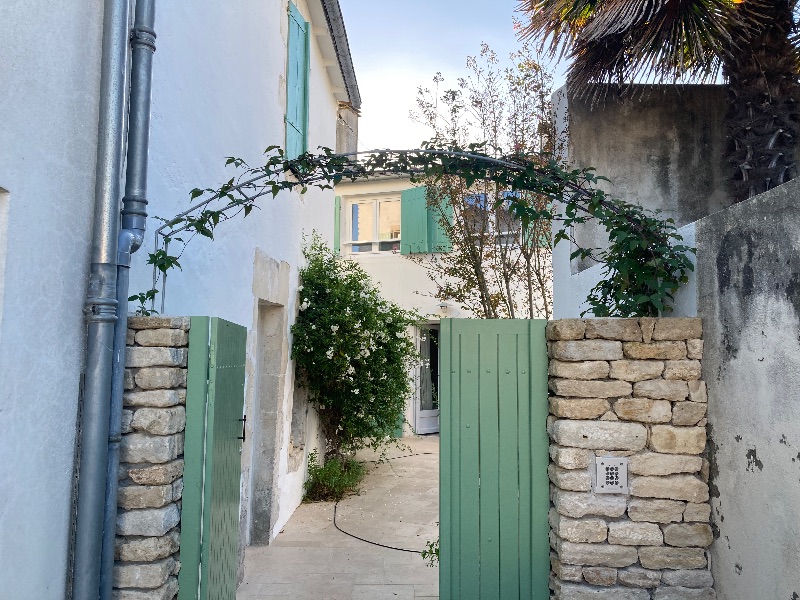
x=151, y=461
x=632, y=388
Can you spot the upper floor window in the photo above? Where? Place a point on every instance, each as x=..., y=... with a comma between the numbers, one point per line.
x=484, y=216
x=374, y=225
x=297, y=67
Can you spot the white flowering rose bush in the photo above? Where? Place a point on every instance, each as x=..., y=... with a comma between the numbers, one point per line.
x=352, y=351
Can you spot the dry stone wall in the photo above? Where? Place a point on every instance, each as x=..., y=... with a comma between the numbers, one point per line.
x=629, y=388
x=151, y=462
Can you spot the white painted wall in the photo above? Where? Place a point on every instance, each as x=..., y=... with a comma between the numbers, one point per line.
x=219, y=90
x=398, y=278
x=49, y=69
x=232, y=103
x=3, y=248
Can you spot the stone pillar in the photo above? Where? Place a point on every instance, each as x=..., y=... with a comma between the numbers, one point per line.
x=151, y=463
x=632, y=388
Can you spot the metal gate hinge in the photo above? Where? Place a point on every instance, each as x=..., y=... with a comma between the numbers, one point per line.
x=243, y=421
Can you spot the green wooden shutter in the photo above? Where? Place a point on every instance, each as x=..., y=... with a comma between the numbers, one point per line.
x=413, y=221
x=337, y=225
x=437, y=236
x=297, y=84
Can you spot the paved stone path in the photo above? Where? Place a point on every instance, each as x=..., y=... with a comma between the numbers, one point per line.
x=311, y=560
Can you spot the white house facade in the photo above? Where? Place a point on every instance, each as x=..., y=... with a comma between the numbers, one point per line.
x=385, y=226
x=223, y=85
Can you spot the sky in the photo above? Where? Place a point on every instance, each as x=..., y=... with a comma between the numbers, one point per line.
x=399, y=46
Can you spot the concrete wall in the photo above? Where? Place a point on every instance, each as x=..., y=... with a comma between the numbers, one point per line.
x=50, y=73
x=746, y=288
x=748, y=293
x=219, y=90
x=662, y=148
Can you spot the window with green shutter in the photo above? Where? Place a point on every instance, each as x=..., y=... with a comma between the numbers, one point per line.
x=414, y=221
x=297, y=66
x=422, y=231
x=437, y=236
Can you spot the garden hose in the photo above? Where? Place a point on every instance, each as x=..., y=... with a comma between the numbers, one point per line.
x=336, y=506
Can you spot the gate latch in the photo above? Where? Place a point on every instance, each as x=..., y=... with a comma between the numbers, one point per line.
x=243, y=421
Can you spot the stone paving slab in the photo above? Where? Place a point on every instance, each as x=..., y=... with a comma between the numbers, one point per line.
x=398, y=506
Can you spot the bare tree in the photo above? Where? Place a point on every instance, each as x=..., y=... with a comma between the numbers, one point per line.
x=499, y=265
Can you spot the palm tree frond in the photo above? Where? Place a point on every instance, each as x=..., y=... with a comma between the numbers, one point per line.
x=620, y=41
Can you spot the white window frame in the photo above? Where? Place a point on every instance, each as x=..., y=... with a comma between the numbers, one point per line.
x=376, y=202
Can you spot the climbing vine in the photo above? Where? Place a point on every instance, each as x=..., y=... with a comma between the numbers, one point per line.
x=644, y=264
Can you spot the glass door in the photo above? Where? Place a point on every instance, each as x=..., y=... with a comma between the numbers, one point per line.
x=426, y=417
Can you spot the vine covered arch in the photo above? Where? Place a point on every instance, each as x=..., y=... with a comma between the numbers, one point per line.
x=644, y=263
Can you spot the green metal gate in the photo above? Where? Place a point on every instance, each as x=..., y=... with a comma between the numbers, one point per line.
x=212, y=455
x=494, y=494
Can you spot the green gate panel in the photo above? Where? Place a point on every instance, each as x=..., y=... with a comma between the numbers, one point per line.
x=212, y=460
x=494, y=456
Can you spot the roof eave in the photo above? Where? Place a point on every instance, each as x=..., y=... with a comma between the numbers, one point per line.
x=341, y=47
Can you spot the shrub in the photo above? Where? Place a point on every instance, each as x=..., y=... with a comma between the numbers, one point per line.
x=352, y=351
x=333, y=480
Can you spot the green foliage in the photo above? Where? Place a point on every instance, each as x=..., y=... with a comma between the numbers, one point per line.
x=143, y=298
x=352, y=351
x=644, y=265
x=334, y=480
x=431, y=553
x=163, y=261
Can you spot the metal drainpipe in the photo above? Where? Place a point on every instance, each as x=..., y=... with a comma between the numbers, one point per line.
x=131, y=236
x=100, y=307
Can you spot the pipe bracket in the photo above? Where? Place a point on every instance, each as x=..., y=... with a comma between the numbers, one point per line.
x=100, y=310
x=143, y=37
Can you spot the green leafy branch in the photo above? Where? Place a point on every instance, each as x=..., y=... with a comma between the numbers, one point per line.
x=644, y=264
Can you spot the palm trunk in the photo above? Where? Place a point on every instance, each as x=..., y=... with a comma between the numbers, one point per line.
x=763, y=94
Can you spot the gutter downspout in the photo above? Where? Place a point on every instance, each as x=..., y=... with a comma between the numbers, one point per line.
x=100, y=307
x=131, y=237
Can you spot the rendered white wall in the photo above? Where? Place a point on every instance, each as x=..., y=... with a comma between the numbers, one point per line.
x=219, y=90
x=3, y=248
x=231, y=102
x=49, y=69
x=398, y=277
